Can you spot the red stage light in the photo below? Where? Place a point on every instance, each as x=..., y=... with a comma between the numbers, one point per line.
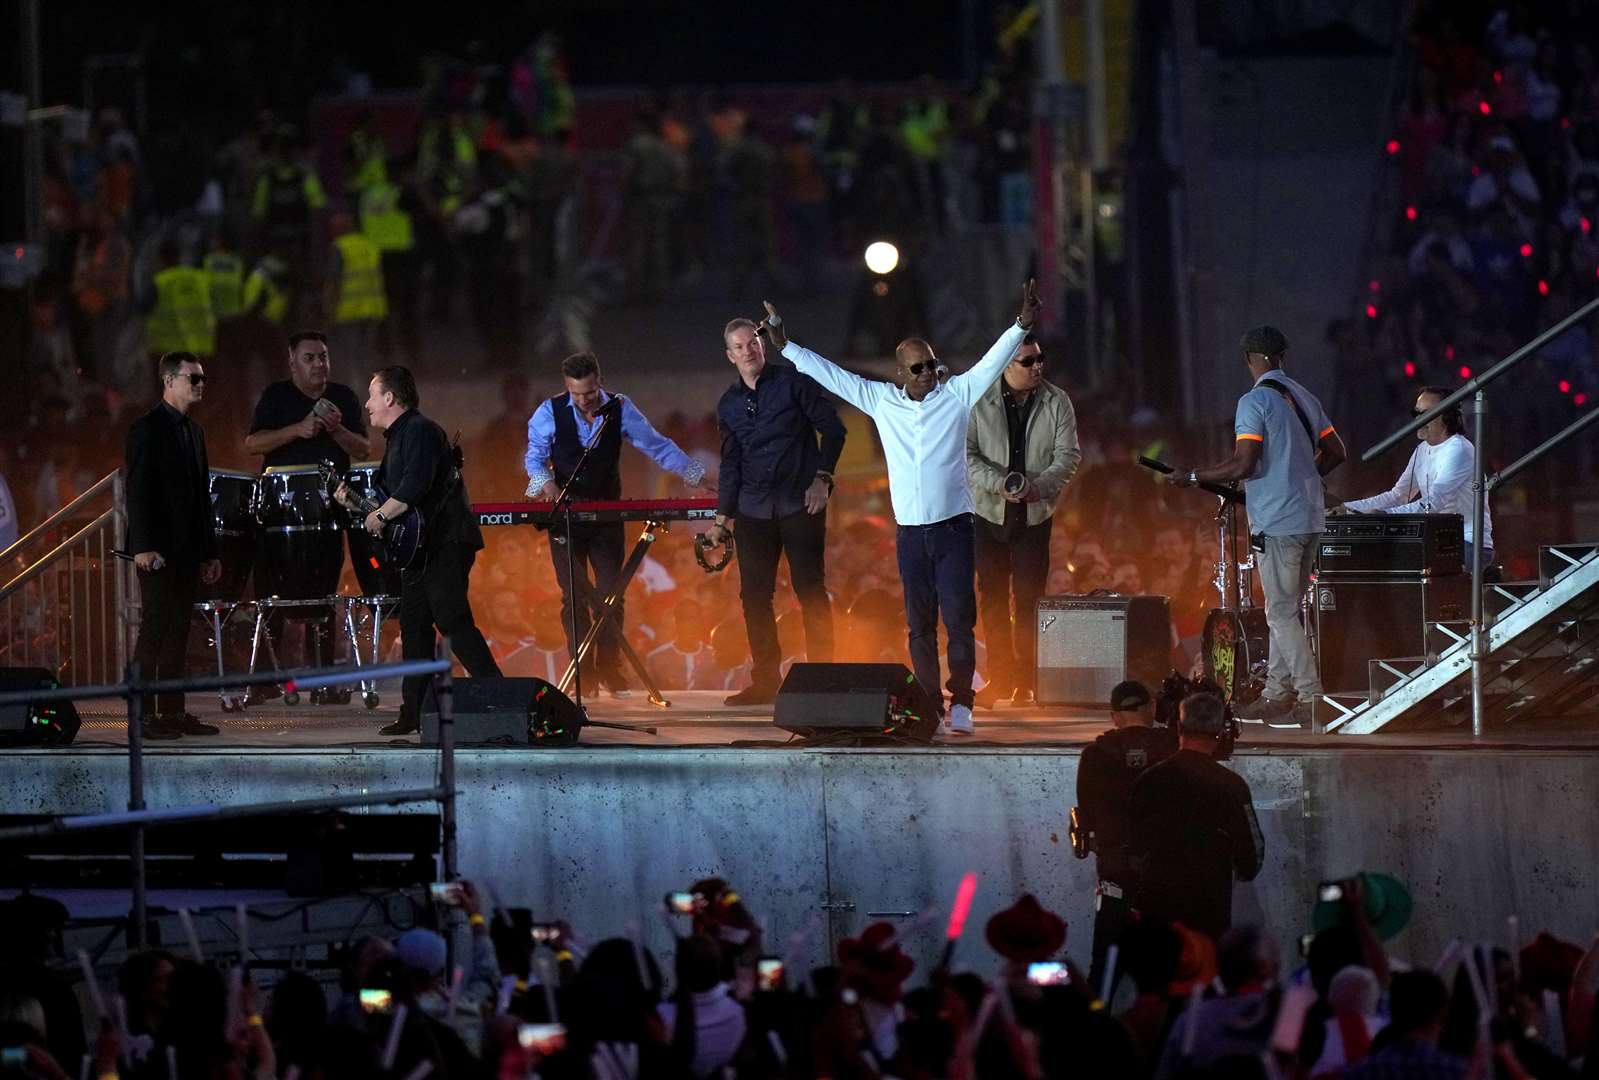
x=1580, y=399
x=1374, y=285
x=1410, y=213
x=1565, y=386
x=1543, y=288
x=1526, y=251
x=1484, y=108
x=1410, y=369
x=1586, y=225
x=1393, y=146
x=1371, y=311
x=1499, y=77
x=1449, y=352
x=1465, y=372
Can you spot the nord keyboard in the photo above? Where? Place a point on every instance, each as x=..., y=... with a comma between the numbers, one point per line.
x=539, y=513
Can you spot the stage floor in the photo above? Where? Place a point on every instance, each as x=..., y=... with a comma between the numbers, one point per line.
x=698, y=720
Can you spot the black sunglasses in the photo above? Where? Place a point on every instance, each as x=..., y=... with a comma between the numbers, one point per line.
x=925, y=365
x=1029, y=361
x=195, y=378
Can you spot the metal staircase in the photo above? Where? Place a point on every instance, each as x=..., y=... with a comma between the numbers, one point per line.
x=1540, y=656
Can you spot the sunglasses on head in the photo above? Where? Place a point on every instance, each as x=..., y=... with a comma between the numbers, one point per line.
x=925, y=365
x=1029, y=361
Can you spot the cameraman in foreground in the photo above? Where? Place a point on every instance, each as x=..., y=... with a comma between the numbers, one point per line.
x=1110, y=766
x=1193, y=829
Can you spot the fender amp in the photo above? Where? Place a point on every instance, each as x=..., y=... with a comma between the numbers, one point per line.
x=1088, y=644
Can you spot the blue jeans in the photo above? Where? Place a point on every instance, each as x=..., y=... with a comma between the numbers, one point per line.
x=936, y=568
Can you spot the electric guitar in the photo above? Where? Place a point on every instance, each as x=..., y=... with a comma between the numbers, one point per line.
x=402, y=537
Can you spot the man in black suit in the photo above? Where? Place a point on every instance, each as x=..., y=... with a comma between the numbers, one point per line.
x=170, y=533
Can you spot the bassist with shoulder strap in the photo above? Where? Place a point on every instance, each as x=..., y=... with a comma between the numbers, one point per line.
x=421, y=473
x=1283, y=445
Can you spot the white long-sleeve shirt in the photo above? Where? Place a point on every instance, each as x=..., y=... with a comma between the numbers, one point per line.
x=1436, y=480
x=924, y=441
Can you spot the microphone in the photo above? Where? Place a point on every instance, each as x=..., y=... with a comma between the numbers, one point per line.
x=610, y=407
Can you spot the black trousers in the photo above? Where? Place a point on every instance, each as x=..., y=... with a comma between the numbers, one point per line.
x=598, y=547
x=1006, y=571
x=1112, y=916
x=166, y=604
x=433, y=596
x=802, y=538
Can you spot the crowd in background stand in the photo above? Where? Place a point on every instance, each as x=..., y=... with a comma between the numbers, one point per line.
x=1175, y=1003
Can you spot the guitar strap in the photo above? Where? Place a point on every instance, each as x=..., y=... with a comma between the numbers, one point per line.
x=1304, y=421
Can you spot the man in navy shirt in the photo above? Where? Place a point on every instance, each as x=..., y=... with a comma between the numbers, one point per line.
x=781, y=438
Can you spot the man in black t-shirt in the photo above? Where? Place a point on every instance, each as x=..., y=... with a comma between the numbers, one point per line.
x=307, y=419
x=1193, y=830
x=289, y=428
x=1110, y=766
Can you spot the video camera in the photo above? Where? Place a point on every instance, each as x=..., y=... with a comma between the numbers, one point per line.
x=1176, y=689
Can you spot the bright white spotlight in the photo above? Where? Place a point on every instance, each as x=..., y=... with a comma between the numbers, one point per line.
x=881, y=257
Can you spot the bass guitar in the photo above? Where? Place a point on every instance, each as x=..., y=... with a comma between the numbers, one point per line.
x=402, y=536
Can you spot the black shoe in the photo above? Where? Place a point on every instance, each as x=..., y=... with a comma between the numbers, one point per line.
x=751, y=695
x=160, y=727
x=190, y=724
x=405, y=725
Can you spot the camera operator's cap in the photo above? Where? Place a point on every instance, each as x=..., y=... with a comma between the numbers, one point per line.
x=1264, y=339
x=1131, y=694
x=1026, y=932
x=1388, y=906
x=422, y=950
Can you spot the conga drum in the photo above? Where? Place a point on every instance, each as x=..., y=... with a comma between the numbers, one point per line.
x=1235, y=648
x=372, y=571
x=300, y=553
x=233, y=521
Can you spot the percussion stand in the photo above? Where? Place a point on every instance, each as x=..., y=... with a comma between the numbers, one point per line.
x=376, y=605
x=580, y=594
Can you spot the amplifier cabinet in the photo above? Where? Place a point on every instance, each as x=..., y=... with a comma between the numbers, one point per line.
x=1088, y=644
x=1366, y=545
x=1380, y=618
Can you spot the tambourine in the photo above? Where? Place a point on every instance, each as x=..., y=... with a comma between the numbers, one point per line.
x=702, y=544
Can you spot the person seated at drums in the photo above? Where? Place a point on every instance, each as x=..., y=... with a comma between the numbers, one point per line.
x=308, y=419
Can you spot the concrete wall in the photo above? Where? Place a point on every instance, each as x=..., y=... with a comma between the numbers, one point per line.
x=598, y=836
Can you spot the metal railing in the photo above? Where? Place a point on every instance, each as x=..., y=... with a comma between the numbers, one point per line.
x=68, y=608
x=139, y=817
x=1481, y=483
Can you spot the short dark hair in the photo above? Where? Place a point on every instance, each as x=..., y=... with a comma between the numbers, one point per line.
x=1203, y=714
x=1129, y=695
x=306, y=335
x=1454, y=419
x=1031, y=338
x=1417, y=1000
x=399, y=381
x=170, y=363
x=580, y=365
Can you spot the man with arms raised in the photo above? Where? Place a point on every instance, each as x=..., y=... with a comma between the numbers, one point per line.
x=922, y=424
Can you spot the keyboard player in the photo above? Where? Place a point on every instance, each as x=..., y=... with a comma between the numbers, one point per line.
x=1437, y=479
x=557, y=433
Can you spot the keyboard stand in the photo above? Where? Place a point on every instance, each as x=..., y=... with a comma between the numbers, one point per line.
x=607, y=610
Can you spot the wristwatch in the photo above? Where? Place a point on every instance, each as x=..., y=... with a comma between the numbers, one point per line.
x=826, y=478
x=381, y=518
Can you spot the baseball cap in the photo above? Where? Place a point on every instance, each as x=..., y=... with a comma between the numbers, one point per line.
x=422, y=950
x=1129, y=695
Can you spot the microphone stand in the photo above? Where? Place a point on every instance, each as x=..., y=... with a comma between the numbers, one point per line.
x=563, y=504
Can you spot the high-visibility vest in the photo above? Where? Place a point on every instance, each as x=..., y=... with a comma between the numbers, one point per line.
x=181, y=320
x=368, y=159
x=382, y=220
x=225, y=278
x=262, y=287
x=361, y=286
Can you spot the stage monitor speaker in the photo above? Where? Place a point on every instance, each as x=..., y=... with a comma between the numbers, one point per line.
x=856, y=702
x=45, y=724
x=506, y=712
x=1360, y=620
x=1087, y=644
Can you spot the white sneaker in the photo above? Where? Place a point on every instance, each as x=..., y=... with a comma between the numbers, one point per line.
x=958, y=722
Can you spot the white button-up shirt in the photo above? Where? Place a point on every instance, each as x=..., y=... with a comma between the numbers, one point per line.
x=924, y=441
x=1436, y=480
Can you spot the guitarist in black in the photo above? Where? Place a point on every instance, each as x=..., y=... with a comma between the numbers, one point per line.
x=420, y=470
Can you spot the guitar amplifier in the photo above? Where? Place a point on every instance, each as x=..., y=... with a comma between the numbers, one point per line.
x=1088, y=644
x=1363, y=619
x=1411, y=544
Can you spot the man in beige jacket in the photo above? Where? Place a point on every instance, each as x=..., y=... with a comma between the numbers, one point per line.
x=1021, y=452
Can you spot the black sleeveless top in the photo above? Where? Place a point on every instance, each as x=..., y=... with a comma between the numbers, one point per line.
x=602, y=476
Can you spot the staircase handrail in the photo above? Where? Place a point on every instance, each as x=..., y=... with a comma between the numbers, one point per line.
x=111, y=480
